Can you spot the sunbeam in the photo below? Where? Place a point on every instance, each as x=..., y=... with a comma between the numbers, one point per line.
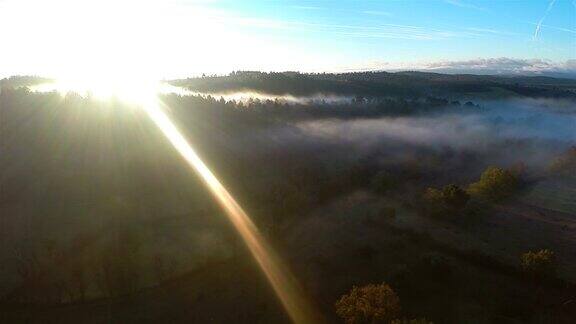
x=282, y=281
x=145, y=95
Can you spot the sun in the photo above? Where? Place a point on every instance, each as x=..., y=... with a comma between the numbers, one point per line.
x=125, y=88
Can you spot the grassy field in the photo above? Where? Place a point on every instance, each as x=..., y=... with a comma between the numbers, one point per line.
x=554, y=194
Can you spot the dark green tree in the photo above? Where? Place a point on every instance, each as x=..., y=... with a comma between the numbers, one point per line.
x=446, y=201
x=369, y=304
x=495, y=184
x=539, y=264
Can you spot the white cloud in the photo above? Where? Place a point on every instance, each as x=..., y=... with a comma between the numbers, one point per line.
x=506, y=65
x=502, y=65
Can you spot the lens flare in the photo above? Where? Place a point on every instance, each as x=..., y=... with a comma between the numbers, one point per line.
x=283, y=283
x=146, y=95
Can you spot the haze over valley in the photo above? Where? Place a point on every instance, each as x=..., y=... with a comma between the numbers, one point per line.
x=283, y=162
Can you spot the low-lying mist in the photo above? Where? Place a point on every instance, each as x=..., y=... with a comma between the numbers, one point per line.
x=100, y=172
x=248, y=95
x=530, y=131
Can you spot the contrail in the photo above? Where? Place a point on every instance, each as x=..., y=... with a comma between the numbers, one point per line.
x=282, y=281
x=539, y=24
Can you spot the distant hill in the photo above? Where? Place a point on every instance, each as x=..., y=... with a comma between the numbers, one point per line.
x=23, y=81
x=404, y=84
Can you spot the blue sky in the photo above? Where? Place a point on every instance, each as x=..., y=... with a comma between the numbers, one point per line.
x=182, y=37
x=422, y=29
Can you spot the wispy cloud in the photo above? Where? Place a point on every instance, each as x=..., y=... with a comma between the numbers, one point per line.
x=562, y=29
x=462, y=4
x=539, y=24
x=376, y=13
x=390, y=31
x=491, y=31
x=306, y=7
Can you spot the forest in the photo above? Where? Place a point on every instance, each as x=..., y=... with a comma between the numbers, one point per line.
x=439, y=198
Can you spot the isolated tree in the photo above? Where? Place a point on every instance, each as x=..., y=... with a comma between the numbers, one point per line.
x=369, y=304
x=455, y=196
x=449, y=200
x=539, y=264
x=494, y=184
